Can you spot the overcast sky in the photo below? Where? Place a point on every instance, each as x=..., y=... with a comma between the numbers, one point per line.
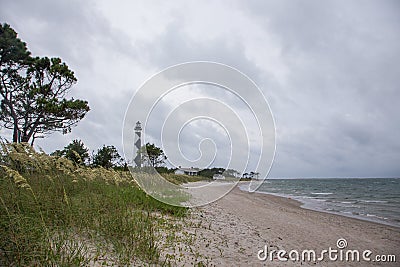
x=330, y=70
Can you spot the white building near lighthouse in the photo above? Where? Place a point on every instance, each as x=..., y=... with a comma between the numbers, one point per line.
x=188, y=171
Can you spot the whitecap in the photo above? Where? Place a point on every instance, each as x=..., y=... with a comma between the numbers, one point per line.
x=374, y=201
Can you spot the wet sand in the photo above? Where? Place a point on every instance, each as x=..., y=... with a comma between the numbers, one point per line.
x=232, y=231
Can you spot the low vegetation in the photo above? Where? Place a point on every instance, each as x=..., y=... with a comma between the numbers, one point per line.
x=54, y=212
x=181, y=179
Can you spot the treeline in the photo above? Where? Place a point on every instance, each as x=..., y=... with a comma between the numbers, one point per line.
x=106, y=156
x=210, y=172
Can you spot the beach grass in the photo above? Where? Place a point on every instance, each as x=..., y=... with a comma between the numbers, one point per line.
x=53, y=213
x=179, y=179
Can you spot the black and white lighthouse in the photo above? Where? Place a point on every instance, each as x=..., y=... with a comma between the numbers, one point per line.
x=138, y=144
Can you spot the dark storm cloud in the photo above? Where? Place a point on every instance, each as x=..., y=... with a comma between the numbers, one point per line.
x=343, y=86
x=175, y=46
x=63, y=28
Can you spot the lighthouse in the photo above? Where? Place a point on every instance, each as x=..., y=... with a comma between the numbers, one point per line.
x=138, y=144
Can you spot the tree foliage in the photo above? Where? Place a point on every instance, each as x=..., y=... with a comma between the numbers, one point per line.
x=14, y=56
x=231, y=173
x=75, y=151
x=107, y=157
x=34, y=91
x=152, y=155
x=210, y=172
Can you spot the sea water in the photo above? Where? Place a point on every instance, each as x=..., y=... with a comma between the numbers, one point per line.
x=373, y=199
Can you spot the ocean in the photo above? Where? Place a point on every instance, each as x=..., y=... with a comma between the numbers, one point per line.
x=372, y=199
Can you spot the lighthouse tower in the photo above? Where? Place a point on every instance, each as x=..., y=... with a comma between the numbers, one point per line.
x=138, y=144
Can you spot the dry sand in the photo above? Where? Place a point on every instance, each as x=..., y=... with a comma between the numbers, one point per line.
x=231, y=231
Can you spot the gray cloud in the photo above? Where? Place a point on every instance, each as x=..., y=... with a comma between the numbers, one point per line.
x=340, y=112
x=330, y=69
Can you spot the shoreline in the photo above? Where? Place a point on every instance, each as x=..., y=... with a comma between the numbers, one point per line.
x=236, y=227
x=303, y=205
x=310, y=205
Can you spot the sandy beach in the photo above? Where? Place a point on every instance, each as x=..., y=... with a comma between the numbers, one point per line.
x=233, y=230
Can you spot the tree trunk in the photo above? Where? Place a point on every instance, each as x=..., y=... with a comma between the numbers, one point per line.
x=33, y=140
x=15, y=133
x=25, y=139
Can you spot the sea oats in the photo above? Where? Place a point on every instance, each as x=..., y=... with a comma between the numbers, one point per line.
x=19, y=180
x=65, y=197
